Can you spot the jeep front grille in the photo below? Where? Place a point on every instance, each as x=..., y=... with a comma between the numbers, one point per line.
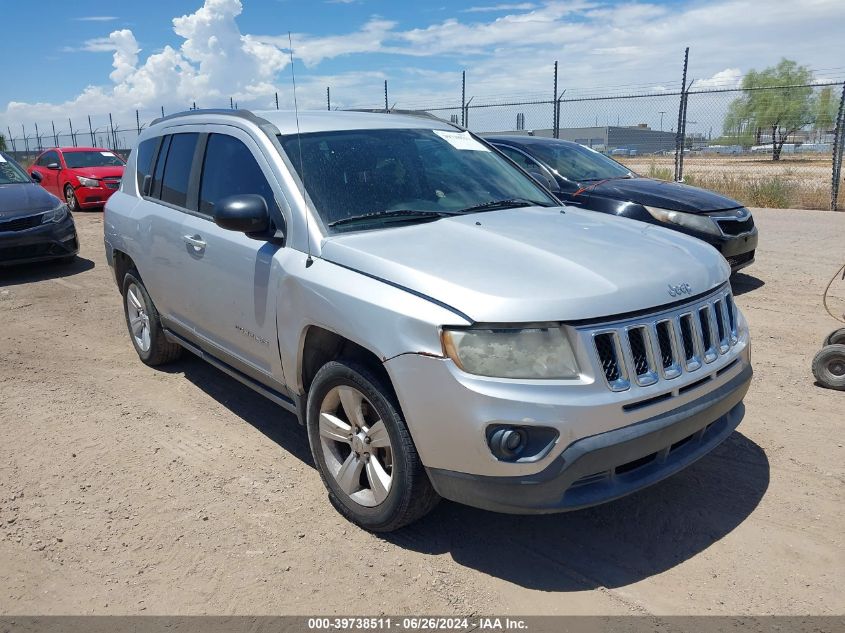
x=666, y=345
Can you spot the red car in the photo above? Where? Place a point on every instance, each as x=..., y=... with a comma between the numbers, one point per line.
x=84, y=177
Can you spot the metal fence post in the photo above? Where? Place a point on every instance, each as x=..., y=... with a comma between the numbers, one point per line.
x=11, y=139
x=679, y=135
x=555, y=122
x=72, y=133
x=55, y=137
x=386, y=107
x=91, y=129
x=463, y=98
x=138, y=122
x=328, y=98
x=113, y=135
x=838, y=143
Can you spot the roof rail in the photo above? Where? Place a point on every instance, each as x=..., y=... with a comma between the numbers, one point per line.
x=423, y=114
x=241, y=114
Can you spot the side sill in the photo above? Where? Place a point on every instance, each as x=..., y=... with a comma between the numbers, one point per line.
x=277, y=397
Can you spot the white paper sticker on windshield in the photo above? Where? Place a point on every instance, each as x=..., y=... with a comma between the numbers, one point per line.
x=461, y=140
x=107, y=153
x=2, y=160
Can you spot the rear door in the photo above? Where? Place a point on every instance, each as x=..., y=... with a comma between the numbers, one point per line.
x=232, y=289
x=160, y=215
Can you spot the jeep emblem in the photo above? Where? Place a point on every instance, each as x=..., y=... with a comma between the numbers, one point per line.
x=681, y=289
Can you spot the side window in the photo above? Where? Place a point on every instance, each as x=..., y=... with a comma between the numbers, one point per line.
x=177, y=168
x=159, y=170
x=230, y=169
x=144, y=162
x=47, y=158
x=41, y=161
x=519, y=158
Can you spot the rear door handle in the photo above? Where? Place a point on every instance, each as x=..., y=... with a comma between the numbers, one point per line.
x=195, y=241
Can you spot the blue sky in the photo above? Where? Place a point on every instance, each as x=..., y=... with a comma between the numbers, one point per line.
x=96, y=56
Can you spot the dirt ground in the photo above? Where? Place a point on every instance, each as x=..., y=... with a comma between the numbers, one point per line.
x=129, y=490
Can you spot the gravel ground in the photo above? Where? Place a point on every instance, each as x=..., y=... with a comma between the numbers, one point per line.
x=129, y=490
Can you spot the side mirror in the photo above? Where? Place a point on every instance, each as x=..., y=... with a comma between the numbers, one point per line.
x=246, y=213
x=36, y=176
x=54, y=166
x=544, y=179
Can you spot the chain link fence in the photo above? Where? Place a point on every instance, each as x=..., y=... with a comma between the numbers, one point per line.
x=777, y=146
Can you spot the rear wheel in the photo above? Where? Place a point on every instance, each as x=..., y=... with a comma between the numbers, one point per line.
x=70, y=199
x=363, y=450
x=144, y=325
x=829, y=367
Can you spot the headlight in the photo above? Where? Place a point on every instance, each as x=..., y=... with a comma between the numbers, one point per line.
x=541, y=352
x=88, y=182
x=692, y=221
x=55, y=215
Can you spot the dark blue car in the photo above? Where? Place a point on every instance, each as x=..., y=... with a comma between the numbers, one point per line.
x=34, y=225
x=581, y=176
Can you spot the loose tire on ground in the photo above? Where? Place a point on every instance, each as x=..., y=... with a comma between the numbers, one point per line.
x=829, y=367
x=837, y=337
x=142, y=320
x=357, y=452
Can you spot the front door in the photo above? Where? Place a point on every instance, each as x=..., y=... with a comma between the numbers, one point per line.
x=233, y=279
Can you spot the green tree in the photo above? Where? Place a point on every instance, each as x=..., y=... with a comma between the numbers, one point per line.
x=824, y=110
x=776, y=102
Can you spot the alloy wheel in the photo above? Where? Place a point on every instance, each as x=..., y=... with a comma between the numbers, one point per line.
x=139, y=320
x=356, y=446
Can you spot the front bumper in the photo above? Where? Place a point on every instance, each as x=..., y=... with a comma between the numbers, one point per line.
x=609, y=465
x=47, y=241
x=738, y=250
x=92, y=197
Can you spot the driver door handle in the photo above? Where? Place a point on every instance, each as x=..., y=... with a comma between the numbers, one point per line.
x=195, y=241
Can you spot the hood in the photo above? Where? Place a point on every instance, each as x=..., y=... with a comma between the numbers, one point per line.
x=666, y=195
x=25, y=199
x=111, y=171
x=534, y=264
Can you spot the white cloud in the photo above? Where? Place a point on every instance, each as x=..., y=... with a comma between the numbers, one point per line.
x=724, y=79
x=521, y=6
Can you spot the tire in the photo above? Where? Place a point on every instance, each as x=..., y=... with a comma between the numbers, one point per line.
x=70, y=199
x=829, y=367
x=385, y=450
x=837, y=337
x=148, y=337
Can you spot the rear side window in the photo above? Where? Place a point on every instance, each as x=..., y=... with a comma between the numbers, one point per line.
x=159, y=172
x=230, y=169
x=177, y=169
x=144, y=162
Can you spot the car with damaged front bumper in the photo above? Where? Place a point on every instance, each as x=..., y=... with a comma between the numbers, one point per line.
x=441, y=325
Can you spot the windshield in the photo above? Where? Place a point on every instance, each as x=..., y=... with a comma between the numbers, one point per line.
x=389, y=173
x=11, y=173
x=75, y=160
x=578, y=163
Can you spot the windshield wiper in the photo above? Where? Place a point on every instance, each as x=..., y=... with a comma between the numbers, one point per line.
x=511, y=203
x=398, y=214
x=625, y=177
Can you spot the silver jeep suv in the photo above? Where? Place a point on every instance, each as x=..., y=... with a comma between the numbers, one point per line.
x=437, y=321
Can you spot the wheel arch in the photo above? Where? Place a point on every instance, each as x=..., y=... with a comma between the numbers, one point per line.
x=320, y=345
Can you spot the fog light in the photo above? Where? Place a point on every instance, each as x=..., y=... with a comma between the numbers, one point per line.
x=507, y=442
x=520, y=443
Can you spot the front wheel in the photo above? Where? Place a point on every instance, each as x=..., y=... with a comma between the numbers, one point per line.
x=70, y=199
x=837, y=337
x=363, y=450
x=829, y=367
